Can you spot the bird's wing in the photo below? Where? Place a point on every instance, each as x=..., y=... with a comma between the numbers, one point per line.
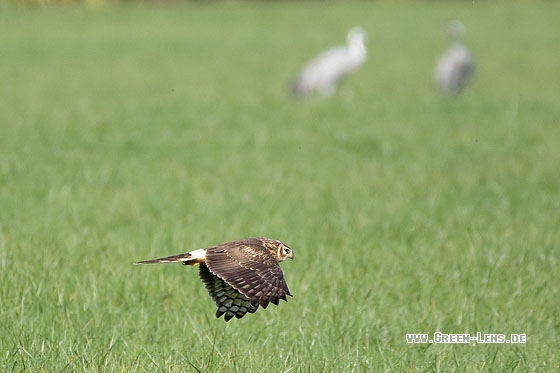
x=229, y=301
x=324, y=71
x=467, y=64
x=454, y=68
x=325, y=64
x=251, y=269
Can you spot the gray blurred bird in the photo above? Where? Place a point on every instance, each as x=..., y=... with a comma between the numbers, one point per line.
x=322, y=74
x=455, y=68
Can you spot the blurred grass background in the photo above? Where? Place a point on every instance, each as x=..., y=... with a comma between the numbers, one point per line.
x=139, y=131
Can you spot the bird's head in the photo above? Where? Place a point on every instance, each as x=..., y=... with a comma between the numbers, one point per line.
x=280, y=251
x=356, y=32
x=356, y=40
x=455, y=29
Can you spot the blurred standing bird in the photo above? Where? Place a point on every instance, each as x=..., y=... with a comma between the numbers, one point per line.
x=454, y=69
x=322, y=73
x=240, y=275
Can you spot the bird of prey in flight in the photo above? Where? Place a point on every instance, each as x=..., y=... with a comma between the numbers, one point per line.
x=240, y=275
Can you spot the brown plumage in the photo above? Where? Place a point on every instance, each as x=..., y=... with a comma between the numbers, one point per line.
x=240, y=275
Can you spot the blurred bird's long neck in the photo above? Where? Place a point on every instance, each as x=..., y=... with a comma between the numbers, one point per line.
x=357, y=49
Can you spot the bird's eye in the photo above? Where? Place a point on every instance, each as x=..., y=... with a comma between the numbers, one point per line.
x=287, y=251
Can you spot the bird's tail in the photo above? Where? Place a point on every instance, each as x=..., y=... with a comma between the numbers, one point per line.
x=193, y=258
x=298, y=88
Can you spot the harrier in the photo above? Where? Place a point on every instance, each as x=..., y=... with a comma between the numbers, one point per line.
x=240, y=275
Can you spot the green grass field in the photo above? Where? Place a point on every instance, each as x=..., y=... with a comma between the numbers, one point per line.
x=135, y=132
